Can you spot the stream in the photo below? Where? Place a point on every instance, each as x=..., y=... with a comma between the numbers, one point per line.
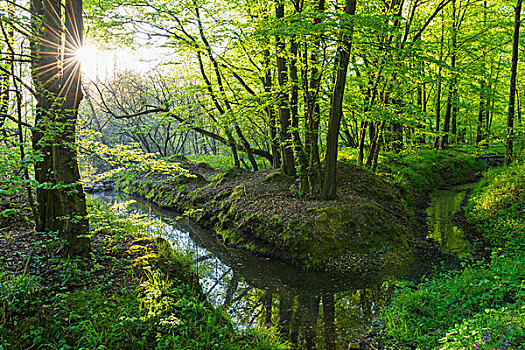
x=315, y=310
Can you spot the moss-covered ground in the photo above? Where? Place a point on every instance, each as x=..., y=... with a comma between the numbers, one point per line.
x=264, y=213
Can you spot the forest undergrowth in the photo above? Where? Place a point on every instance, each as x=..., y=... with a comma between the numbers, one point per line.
x=482, y=306
x=133, y=292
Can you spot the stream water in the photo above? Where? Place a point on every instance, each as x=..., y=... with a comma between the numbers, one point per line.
x=444, y=204
x=315, y=310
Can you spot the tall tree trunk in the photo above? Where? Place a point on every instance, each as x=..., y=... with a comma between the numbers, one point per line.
x=227, y=131
x=288, y=164
x=454, y=120
x=57, y=77
x=328, y=190
x=299, y=153
x=438, y=114
x=481, y=113
x=311, y=103
x=452, y=89
x=420, y=131
x=438, y=94
x=218, y=76
x=512, y=90
x=270, y=112
x=5, y=72
x=361, y=145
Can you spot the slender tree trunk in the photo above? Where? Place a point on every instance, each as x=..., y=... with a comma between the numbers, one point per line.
x=481, y=113
x=362, y=136
x=288, y=164
x=57, y=77
x=312, y=108
x=5, y=74
x=420, y=139
x=218, y=76
x=512, y=90
x=438, y=114
x=438, y=93
x=230, y=140
x=518, y=107
x=9, y=35
x=452, y=89
x=299, y=152
x=328, y=190
x=270, y=112
x=454, y=120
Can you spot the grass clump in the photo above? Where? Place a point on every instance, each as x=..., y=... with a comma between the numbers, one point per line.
x=419, y=317
x=414, y=171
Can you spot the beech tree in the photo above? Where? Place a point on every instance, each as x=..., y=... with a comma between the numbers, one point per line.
x=58, y=33
x=277, y=79
x=328, y=189
x=512, y=93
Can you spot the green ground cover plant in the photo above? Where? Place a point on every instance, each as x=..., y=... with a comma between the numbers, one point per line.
x=420, y=171
x=483, y=306
x=497, y=207
x=134, y=292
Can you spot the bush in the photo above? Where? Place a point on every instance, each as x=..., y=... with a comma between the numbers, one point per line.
x=490, y=329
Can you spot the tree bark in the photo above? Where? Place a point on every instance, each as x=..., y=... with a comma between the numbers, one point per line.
x=270, y=112
x=512, y=90
x=57, y=77
x=438, y=94
x=452, y=89
x=328, y=190
x=481, y=113
x=5, y=74
x=299, y=153
x=288, y=164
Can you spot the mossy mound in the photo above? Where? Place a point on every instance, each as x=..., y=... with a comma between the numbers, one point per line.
x=262, y=213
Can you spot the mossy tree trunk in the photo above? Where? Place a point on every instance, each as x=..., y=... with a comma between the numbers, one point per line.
x=56, y=74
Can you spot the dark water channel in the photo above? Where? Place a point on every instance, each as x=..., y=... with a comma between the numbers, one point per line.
x=312, y=309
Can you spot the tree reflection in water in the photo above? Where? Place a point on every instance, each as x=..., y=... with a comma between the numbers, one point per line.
x=314, y=310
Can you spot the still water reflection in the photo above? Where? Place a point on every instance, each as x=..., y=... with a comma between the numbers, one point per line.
x=312, y=309
x=443, y=205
